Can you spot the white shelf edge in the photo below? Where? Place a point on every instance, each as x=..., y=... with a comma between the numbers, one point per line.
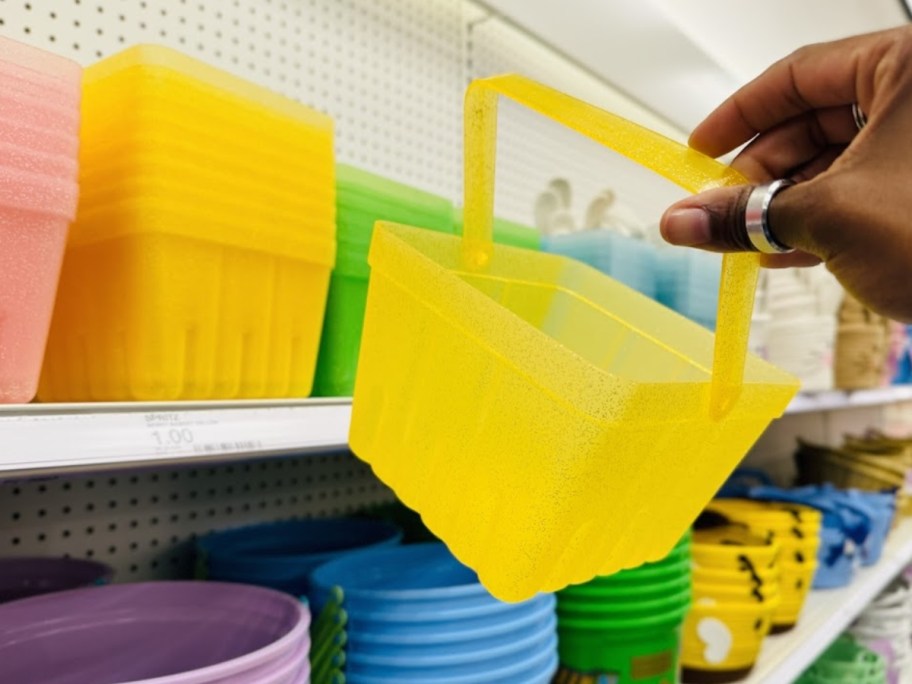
x=835, y=400
x=38, y=439
x=828, y=612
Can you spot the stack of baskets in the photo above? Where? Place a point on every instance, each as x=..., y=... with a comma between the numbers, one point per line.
x=862, y=346
x=797, y=530
x=736, y=593
x=846, y=662
x=200, y=258
x=619, y=627
x=871, y=463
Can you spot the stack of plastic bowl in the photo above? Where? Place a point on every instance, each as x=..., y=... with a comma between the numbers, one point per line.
x=626, y=627
x=736, y=592
x=847, y=662
x=688, y=282
x=178, y=632
x=885, y=627
x=631, y=261
x=282, y=555
x=199, y=262
x=415, y=614
x=363, y=198
x=797, y=529
x=24, y=577
x=39, y=139
x=844, y=529
x=328, y=640
x=878, y=507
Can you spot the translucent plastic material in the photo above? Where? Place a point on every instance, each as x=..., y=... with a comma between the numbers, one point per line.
x=199, y=263
x=362, y=199
x=39, y=133
x=507, y=395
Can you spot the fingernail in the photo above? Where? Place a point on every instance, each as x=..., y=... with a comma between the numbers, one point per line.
x=688, y=227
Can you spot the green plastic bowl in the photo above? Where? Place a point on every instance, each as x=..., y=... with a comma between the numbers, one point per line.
x=621, y=611
x=624, y=593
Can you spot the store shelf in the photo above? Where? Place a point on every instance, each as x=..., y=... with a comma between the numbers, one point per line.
x=827, y=613
x=50, y=438
x=835, y=400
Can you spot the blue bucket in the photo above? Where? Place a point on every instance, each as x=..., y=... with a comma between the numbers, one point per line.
x=537, y=668
x=535, y=614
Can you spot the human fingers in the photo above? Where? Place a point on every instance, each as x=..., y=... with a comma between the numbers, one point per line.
x=715, y=220
x=817, y=76
x=793, y=144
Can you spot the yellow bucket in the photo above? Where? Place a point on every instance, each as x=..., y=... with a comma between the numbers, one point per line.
x=549, y=423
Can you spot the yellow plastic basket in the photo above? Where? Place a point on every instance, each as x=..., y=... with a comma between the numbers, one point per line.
x=549, y=423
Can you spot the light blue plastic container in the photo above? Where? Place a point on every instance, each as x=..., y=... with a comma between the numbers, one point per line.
x=415, y=614
x=539, y=668
x=383, y=636
x=632, y=262
x=493, y=653
x=688, y=282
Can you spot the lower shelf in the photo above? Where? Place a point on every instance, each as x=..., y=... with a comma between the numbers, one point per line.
x=828, y=613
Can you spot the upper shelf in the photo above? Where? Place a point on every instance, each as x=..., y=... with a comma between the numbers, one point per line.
x=47, y=438
x=837, y=399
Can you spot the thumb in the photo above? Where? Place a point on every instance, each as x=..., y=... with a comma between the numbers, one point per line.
x=714, y=220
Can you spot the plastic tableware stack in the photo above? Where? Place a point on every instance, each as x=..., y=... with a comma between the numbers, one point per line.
x=39, y=138
x=328, y=639
x=688, y=282
x=363, y=198
x=845, y=529
x=32, y=576
x=797, y=530
x=854, y=466
x=199, y=261
x=627, y=259
x=802, y=329
x=847, y=662
x=736, y=592
x=885, y=627
x=282, y=555
x=415, y=614
x=626, y=627
x=187, y=632
x=862, y=346
x=878, y=507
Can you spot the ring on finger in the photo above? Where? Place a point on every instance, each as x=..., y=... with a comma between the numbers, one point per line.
x=756, y=217
x=860, y=119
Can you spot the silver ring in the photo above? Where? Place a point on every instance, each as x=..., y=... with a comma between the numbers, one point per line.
x=860, y=119
x=756, y=217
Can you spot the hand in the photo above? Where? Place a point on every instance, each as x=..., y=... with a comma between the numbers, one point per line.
x=852, y=206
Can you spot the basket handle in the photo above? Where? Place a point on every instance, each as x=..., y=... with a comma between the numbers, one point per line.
x=682, y=165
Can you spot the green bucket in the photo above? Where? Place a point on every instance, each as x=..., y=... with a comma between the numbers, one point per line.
x=643, y=651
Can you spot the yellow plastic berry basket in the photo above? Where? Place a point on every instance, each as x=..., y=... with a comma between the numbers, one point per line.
x=547, y=422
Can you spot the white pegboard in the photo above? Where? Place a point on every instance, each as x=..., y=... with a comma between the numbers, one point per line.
x=531, y=150
x=389, y=73
x=142, y=523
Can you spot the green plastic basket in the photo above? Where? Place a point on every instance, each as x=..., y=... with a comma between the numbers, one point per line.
x=363, y=198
